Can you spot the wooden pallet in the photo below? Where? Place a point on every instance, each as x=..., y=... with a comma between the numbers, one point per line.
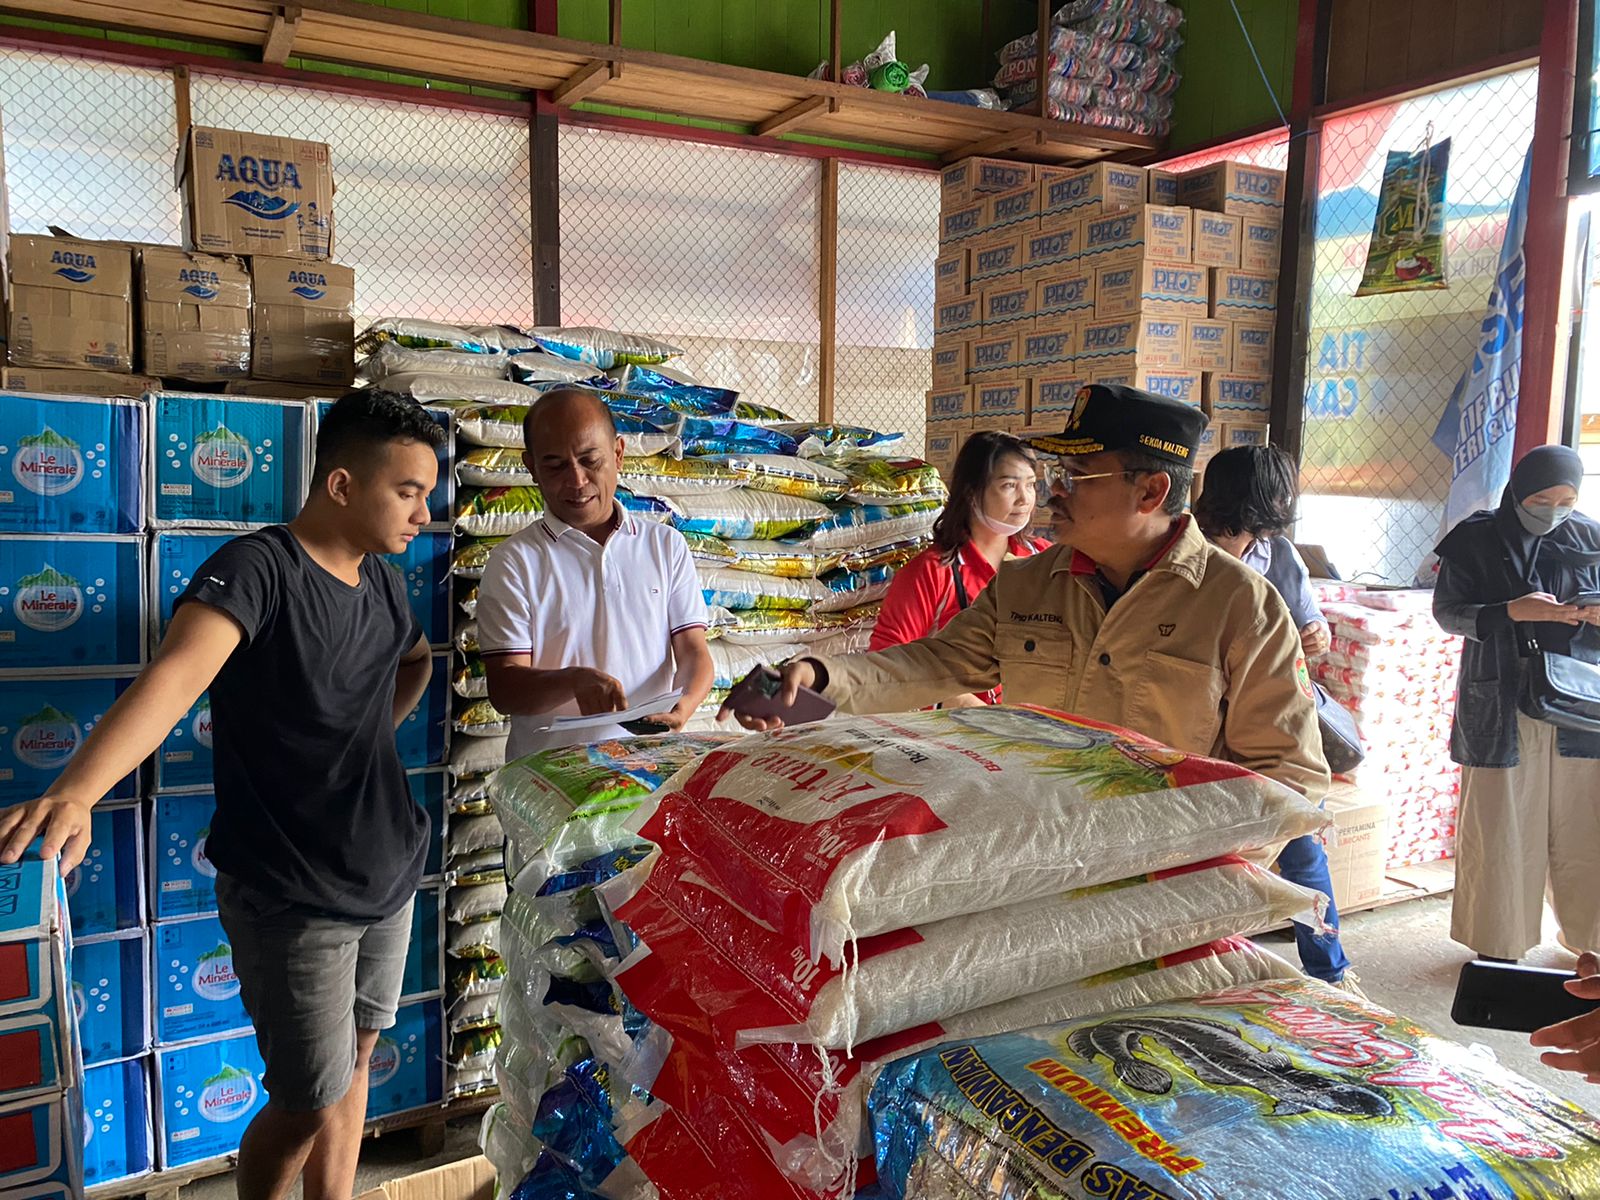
x=428, y=1123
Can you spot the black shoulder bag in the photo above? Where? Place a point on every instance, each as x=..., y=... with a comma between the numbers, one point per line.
x=1557, y=688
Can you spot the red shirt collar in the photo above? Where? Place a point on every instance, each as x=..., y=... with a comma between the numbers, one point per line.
x=1082, y=564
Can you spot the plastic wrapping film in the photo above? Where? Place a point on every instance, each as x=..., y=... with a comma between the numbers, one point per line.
x=603, y=348
x=857, y=527
x=759, y=627
x=744, y=590
x=394, y=358
x=745, y=515
x=1278, y=1089
x=730, y=664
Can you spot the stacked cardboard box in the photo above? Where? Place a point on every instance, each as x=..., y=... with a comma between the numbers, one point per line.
x=1049, y=279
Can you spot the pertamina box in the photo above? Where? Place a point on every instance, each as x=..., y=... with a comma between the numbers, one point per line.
x=1261, y=245
x=1210, y=346
x=304, y=332
x=1217, y=239
x=1356, y=862
x=194, y=315
x=1251, y=349
x=1234, y=187
x=1153, y=341
x=71, y=304
x=246, y=193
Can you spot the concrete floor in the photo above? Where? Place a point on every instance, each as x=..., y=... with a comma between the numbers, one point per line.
x=1403, y=954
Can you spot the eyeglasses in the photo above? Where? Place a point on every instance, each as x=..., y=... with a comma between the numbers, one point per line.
x=1055, y=474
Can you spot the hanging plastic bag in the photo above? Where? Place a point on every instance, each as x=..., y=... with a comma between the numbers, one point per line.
x=1407, y=250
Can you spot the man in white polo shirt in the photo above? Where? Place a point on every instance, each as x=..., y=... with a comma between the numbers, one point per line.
x=589, y=609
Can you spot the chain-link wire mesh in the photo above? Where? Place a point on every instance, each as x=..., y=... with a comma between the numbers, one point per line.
x=712, y=248
x=432, y=208
x=1267, y=150
x=888, y=236
x=1380, y=369
x=89, y=147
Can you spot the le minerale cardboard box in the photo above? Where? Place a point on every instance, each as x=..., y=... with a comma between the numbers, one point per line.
x=950, y=404
x=1217, y=239
x=71, y=304
x=1261, y=245
x=1234, y=187
x=246, y=193
x=971, y=178
x=1111, y=186
x=950, y=275
x=304, y=332
x=50, y=382
x=949, y=362
x=1007, y=306
x=1244, y=296
x=1355, y=860
x=1210, y=346
x=1251, y=349
x=194, y=315
x=1153, y=341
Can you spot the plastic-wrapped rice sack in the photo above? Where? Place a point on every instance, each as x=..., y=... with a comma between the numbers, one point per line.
x=647, y=508
x=511, y=1151
x=472, y=558
x=474, y=939
x=749, y=410
x=918, y=837
x=857, y=639
x=893, y=555
x=1286, y=1088
x=469, y=797
x=474, y=1012
x=392, y=358
x=442, y=387
x=710, y=550
x=477, y=755
x=475, y=1048
x=498, y=512
x=817, y=440
x=744, y=515
x=492, y=467
x=789, y=476
x=501, y=426
x=471, y=835
x=665, y=476
x=477, y=976
x=535, y=366
x=696, y=399
x=469, y=603
x=603, y=347
x=428, y=335
x=739, y=590
x=476, y=900
x=875, y=480
x=855, y=526
x=713, y=436
x=466, y=637
x=850, y=588
x=764, y=627
x=783, y=559
x=583, y=1120
x=471, y=680
x=730, y=663
x=568, y=804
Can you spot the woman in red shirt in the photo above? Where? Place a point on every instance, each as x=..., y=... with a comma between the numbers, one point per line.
x=993, y=490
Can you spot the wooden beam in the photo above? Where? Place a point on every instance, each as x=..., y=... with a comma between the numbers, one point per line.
x=828, y=291
x=1041, y=76
x=615, y=24
x=586, y=83
x=791, y=119
x=1000, y=143
x=281, y=33
x=182, y=108
x=835, y=57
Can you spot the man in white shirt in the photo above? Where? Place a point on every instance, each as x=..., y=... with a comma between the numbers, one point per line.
x=589, y=609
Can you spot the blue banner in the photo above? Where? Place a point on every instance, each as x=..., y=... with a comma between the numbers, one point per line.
x=1478, y=427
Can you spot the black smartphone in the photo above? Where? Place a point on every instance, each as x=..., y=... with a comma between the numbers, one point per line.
x=644, y=727
x=1586, y=600
x=1512, y=997
x=756, y=695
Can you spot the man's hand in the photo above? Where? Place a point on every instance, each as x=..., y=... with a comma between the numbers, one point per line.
x=1315, y=639
x=63, y=822
x=795, y=676
x=596, y=692
x=1576, y=1043
x=674, y=719
x=1542, y=606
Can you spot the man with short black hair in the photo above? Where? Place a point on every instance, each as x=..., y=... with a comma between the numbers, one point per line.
x=313, y=657
x=1132, y=618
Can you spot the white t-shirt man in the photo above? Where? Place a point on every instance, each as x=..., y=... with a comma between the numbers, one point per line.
x=557, y=595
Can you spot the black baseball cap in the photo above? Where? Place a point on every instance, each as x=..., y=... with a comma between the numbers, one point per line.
x=1109, y=416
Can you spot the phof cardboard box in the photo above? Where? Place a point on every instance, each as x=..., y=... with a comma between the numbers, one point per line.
x=950, y=404
x=996, y=261
x=1261, y=245
x=1110, y=185
x=1050, y=349
x=939, y=442
x=1163, y=186
x=961, y=225
x=1054, y=250
x=247, y=193
x=955, y=317
x=71, y=303
x=1154, y=341
x=194, y=315
x=1173, y=289
x=1252, y=348
x=1217, y=238
x=1116, y=289
x=1233, y=187
x=1006, y=306
x=1210, y=346
x=949, y=362
x=1054, y=394
x=963, y=182
x=1243, y=295
x=304, y=332
x=52, y=382
x=1119, y=234
x=995, y=359
x=1168, y=232
x=1172, y=382
x=950, y=274
x=1231, y=397
x=1007, y=400
x=1068, y=296
x=1356, y=858
x=1242, y=433
x=1008, y=210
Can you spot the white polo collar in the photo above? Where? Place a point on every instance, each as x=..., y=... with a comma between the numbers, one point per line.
x=626, y=522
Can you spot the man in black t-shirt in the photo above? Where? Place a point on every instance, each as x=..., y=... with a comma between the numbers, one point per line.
x=313, y=658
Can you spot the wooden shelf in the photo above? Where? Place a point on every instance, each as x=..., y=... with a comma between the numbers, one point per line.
x=350, y=33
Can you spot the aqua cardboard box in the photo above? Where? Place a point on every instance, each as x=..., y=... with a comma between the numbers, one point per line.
x=421, y=737
x=64, y=382
x=428, y=789
x=226, y=462
x=1156, y=341
x=425, y=565
x=183, y=883
x=1242, y=189
x=43, y=721
x=196, y=991
x=424, y=972
x=118, y=1135
x=194, y=315
x=71, y=602
x=304, y=330
x=105, y=892
x=998, y=261
x=70, y=465
x=250, y=193
x=111, y=995
x=41, y=1148
x=205, y=1097
x=1244, y=296
x=70, y=303
x=175, y=557
x=406, y=1070
x=184, y=758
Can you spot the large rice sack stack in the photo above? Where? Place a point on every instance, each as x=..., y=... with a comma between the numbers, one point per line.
x=825, y=898
x=1287, y=1088
x=1395, y=670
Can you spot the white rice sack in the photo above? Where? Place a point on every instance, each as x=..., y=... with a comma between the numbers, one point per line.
x=497, y=512
x=392, y=358
x=790, y=476
x=730, y=663
x=711, y=551
x=466, y=637
x=472, y=557
x=535, y=366
x=603, y=348
x=737, y=590
x=463, y=1083
x=851, y=588
x=662, y=475
x=864, y=825
x=470, y=835
x=855, y=527
x=492, y=467
x=473, y=1050
x=471, y=679
x=494, y=425
x=484, y=866
x=477, y=900
x=474, y=939
x=782, y=559
x=414, y=334
x=482, y=720
x=746, y=515
x=759, y=627
x=432, y=387
x=477, y=755
x=878, y=480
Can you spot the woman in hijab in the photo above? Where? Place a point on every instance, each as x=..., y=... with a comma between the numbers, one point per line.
x=1526, y=574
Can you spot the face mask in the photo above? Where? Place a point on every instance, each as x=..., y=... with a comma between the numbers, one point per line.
x=1540, y=519
x=1004, y=528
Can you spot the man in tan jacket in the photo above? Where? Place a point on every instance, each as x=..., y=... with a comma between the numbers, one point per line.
x=1133, y=618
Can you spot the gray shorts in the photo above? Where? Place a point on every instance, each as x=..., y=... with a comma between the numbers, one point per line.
x=309, y=982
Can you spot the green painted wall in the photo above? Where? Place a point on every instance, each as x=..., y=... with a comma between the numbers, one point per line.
x=1222, y=91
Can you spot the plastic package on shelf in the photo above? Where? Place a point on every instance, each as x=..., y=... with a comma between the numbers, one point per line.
x=492, y=467
x=497, y=512
x=470, y=680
